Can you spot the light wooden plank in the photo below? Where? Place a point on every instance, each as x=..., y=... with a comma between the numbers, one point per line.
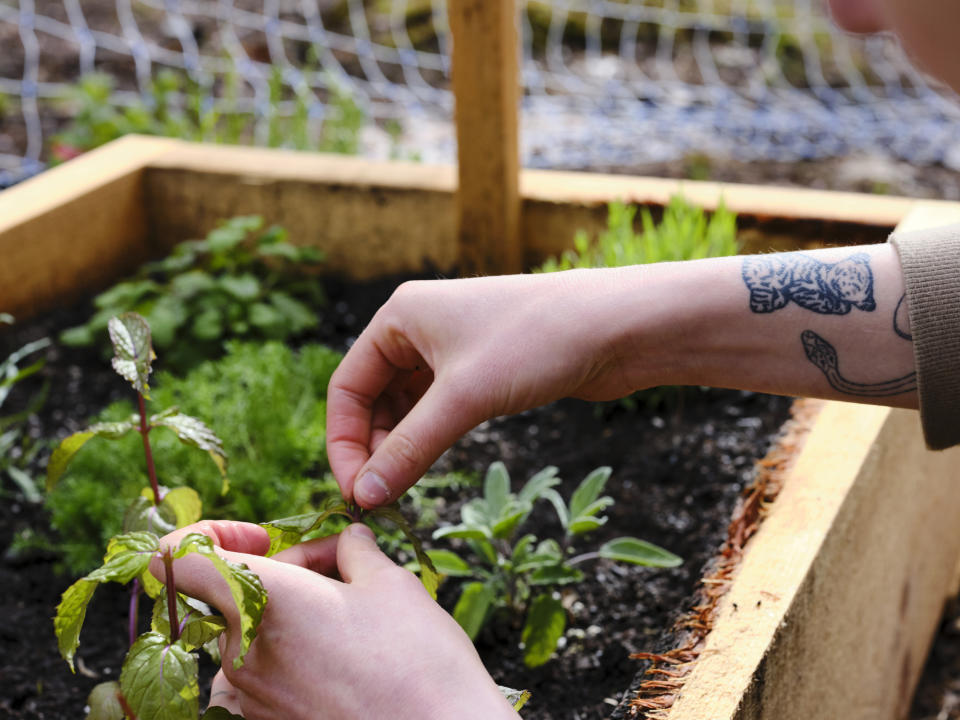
x=834, y=606
x=486, y=88
x=75, y=227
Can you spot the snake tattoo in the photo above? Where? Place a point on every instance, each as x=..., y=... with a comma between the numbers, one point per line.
x=822, y=354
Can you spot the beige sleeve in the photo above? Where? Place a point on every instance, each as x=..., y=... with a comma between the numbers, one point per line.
x=931, y=270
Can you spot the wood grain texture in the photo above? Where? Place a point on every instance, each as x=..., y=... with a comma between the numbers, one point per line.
x=486, y=85
x=833, y=609
x=76, y=227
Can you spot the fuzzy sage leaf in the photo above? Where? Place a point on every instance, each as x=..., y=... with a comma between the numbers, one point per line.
x=546, y=621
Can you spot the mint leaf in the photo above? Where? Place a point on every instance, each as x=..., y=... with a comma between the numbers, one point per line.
x=159, y=679
x=197, y=625
x=69, y=619
x=127, y=557
x=61, y=457
x=245, y=587
x=517, y=698
x=544, y=627
x=143, y=516
x=192, y=431
x=428, y=573
x=133, y=353
x=216, y=712
x=103, y=702
x=185, y=504
x=287, y=532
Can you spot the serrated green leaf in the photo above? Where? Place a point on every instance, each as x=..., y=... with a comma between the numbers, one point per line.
x=517, y=698
x=533, y=490
x=639, y=552
x=588, y=491
x=287, y=532
x=114, y=430
x=245, y=588
x=471, y=609
x=186, y=505
x=194, y=432
x=69, y=618
x=133, y=353
x=544, y=626
x=191, y=283
x=197, y=625
x=103, y=702
x=159, y=679
x=299, y=316
x=428, y=573
x=555, y=575
x=143, y=516
x=61, y=457
x=127, y=557
x=208, y=324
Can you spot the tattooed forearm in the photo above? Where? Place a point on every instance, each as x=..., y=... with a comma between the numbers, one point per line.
x=826, y=288
x=824, y=356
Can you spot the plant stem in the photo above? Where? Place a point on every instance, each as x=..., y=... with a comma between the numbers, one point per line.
x=151, y=469
x=127, y=710
x=583, y=558
x=171, y=595
x=134, y=609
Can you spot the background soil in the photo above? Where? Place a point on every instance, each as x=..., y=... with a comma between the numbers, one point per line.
x=677, y=475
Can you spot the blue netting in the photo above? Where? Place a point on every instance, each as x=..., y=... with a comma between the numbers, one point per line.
x=607, y=83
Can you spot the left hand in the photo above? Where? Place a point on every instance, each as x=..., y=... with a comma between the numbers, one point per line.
x=370, y=644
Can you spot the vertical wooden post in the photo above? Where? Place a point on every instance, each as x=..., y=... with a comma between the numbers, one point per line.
x=486, y=86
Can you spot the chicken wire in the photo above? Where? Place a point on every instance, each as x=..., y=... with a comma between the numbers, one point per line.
x=606, y=83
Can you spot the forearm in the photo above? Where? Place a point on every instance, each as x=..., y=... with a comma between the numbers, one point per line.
x=827, y=323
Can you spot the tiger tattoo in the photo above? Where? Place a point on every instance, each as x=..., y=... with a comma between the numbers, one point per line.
x=826, y=288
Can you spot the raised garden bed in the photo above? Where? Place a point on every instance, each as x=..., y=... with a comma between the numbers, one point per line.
x=831, y=610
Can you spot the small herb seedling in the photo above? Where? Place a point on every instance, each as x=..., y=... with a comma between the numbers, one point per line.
x=159, y=675
x=519, y=574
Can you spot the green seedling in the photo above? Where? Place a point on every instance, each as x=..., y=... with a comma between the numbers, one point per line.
x=241, y=281
x=520, y=574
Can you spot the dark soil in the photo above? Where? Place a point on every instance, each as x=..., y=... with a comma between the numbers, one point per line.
x=678, y=472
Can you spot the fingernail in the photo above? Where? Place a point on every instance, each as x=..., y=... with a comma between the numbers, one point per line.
x=360, y=530
x=371, y=489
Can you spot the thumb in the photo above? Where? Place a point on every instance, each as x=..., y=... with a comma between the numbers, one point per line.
x=436, y=422
x=195, y=576
x=358, y=556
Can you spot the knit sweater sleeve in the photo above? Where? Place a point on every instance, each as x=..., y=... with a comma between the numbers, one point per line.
x=931, y=269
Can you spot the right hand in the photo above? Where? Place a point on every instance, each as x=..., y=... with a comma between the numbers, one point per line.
x=442, y=356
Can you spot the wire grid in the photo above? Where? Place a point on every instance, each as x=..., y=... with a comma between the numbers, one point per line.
x=607, y=83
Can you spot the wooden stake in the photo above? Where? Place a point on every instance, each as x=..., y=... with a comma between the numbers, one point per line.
x=486, y=86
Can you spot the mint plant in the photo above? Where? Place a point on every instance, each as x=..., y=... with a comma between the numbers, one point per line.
x=159, y=676
x=241, y=281
x=519, y=574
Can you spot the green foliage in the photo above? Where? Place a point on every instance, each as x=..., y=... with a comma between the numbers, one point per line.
x=519, y=574
x=159, y=677
x=266, y=401
x=684, y=233
x=239, y=282
x=178, y=106
x=18, y=450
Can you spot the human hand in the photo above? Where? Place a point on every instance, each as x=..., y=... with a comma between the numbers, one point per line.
x=442, y=356
x=370, y=644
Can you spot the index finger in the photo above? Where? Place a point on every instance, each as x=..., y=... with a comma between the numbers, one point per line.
x=377, y=357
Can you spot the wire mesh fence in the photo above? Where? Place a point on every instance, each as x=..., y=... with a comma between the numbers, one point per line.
x=607, y=83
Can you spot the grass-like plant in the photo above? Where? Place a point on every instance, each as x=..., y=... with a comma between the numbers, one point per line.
x=17, y=450
x=519, y=573
x=241, y=281
x=684, y=233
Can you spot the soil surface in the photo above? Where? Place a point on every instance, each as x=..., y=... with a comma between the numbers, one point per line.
x=678, y=471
